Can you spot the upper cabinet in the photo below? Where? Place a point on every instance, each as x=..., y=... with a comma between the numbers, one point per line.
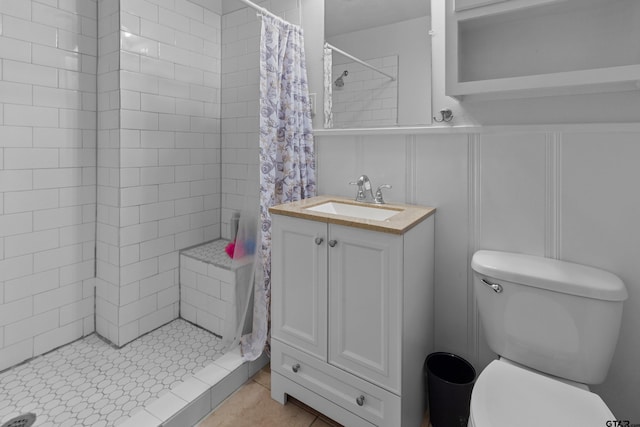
x=461, y=5
x=526, y=48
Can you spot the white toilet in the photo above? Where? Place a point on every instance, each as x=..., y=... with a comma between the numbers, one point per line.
x=554, y=325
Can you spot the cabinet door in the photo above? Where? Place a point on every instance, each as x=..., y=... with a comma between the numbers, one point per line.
x=299, y=284
x=365, y=297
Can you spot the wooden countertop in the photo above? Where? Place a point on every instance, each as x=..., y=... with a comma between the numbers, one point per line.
x=407, y=216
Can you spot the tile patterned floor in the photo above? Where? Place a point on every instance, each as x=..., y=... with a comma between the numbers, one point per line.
x=252, y=406
x=90, y=383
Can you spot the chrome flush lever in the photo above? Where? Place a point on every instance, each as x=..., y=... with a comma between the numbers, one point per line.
x=496, y=287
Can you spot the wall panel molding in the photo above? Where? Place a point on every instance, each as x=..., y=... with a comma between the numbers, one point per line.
x=475, y=233
x=491, y=129
x=553, y=194
x=411, y=183
x=569, y=170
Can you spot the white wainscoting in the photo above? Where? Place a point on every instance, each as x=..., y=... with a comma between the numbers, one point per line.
x=569, y=192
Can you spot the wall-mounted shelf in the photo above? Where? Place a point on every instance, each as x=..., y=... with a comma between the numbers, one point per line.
x=530, y=48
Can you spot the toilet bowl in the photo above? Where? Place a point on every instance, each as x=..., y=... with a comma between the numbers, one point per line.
x=507, y=395
x=554, y=326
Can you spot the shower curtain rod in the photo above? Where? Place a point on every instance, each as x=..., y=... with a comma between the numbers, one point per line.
x=261, y=9
x=359, y=61
x=264, y=11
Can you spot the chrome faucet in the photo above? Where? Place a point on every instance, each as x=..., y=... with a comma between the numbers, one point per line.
x=378, y=199
x=365, y=191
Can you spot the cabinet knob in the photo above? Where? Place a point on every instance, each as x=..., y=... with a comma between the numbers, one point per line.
x=360, y=400
x=332, y=243
x=296, y=367
x=319, y=240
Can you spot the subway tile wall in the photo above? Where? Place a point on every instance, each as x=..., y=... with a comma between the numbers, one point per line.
x=111, y=124
x=167, y=185
x=368, y=98
x=48, y=60
x=108, y=164
x=239, y=100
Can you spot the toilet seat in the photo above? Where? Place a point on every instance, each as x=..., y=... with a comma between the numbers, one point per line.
x=506, y=395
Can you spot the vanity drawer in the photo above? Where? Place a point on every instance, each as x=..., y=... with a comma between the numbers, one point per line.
x=360, y=397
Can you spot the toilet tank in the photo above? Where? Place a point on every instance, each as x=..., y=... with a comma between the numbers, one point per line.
x=554, y=316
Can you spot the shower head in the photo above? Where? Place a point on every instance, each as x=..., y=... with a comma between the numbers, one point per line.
x=339, y=82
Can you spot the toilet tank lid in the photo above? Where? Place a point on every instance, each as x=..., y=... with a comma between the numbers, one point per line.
x=552, y=274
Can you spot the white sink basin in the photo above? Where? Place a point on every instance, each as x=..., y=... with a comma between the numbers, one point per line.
x=354, y=211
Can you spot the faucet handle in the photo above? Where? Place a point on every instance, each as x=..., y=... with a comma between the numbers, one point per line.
x=365, y=193
x=365, y=182
x=360, y=191
x=378, y=197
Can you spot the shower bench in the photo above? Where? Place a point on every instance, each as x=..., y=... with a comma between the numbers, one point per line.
x=208, y=281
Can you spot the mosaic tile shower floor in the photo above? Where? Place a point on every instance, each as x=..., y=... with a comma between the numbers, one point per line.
x=90, y=383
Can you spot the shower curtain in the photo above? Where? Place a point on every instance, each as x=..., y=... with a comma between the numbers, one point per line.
x=328, y=86
x=287, y=164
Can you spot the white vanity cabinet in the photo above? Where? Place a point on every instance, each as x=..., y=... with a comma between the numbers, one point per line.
x=299, y=272
x=352, y=319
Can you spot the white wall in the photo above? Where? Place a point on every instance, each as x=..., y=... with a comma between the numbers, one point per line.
x=562, y=192
x=312, y=12
x=164, y=183
x=47, y=175
x=411, y=42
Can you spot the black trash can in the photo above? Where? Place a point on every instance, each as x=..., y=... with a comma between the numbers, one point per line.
x=450, y=380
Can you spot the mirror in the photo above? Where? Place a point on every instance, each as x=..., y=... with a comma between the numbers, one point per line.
x=393, y=87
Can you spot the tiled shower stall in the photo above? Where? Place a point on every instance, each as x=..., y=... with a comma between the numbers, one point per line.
x=158, y=156
x=127, y=130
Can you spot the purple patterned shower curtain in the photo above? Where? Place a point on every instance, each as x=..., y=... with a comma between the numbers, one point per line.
x=287, y=163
